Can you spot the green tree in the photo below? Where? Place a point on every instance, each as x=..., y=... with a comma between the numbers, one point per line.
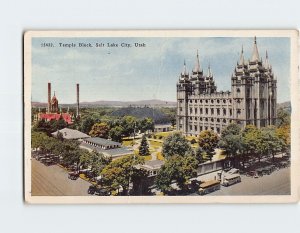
x=129, y=124
x=120, y=172
x=43, y=126
x=283, y=118
x=70, y=152
x=231, y=141
x=116, y=133
x=38, y=139
x=208, y=141
x=87, y=124
x=284, y=134
x=144, y=147
x=96, y=161
x=199, y=154
x=146, y=124
x=61, y=123
x=178, y=168
x=251, y=138
x=269, y=142
x=176, y=144
x=99, y=130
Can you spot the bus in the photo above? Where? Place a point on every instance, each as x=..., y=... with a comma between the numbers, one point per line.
x=208, y=187
x=231, y=179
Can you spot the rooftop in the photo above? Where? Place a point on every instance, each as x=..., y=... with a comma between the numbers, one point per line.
x=71, y=134
x=153, y=164
x=115, y=152
x=102, y=141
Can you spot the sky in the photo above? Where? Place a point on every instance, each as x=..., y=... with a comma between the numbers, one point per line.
x=142, y=73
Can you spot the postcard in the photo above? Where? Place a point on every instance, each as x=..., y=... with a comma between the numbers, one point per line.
x=161, y=116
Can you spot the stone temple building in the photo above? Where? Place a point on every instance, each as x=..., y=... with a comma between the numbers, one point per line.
x=252, y=99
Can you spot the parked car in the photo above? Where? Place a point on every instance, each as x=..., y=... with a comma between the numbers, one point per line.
x=233, y=171
x=252, y=174
x=208, y=187
x=73, y=175
x=231, y=179
x=98, y=190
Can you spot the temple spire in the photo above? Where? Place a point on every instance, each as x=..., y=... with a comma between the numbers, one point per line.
x=209, y=73
x=255, y=54
x=267, y=64
x=197, y=65
x=184, y=72
x=242, y=59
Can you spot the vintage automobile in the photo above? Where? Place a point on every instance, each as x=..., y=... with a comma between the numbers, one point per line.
x=48, y=161
x=231, y=179
x=233, y=171
x=252, y=174
x=73, y=175
x=208, y=187
x=98, y=190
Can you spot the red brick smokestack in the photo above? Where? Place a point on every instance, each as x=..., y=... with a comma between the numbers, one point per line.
x=49, y=97
x=77, y=94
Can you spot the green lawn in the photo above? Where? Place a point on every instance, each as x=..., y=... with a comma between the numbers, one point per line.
x=155, y=143
x=163, y=134
x=160, y=156
x=127, y=142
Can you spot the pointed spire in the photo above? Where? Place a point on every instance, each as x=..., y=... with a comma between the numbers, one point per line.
x=242, y=59
x=60, y=110
x=255, y=55
x=68, y=109
x=184, y=72
x=267, y=64
x=197, y=65
x=209, y=73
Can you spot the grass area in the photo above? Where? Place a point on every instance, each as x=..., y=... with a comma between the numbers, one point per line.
x=155, y=143
x=159, y=156
x=147, y=157
x=163, y=134
x=127, y=142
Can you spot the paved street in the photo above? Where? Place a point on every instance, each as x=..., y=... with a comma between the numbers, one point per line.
x=53, y=181
x=278, y=183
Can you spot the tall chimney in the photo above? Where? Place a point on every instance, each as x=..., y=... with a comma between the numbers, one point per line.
x=77, y=94
x=49, y=97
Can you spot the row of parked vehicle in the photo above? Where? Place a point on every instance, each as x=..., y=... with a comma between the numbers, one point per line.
x=47, y=158
x=231, y=177
x=73, y=174
x=267, y=169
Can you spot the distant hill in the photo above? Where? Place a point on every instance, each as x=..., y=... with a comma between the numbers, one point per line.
x=141, y=103
x=143, y=112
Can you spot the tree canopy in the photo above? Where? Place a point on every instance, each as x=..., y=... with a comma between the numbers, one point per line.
x=144, y=147
x=208, y=141
x=176, y=144
x=121, y=171
x=177, y=168
x=99, y=130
